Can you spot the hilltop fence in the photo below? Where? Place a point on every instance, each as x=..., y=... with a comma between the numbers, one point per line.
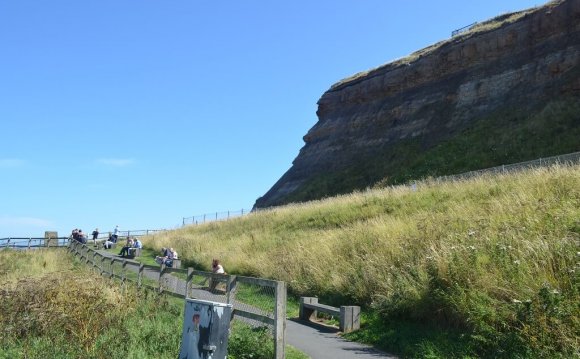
x=257, y=302
x=215, y=216
x=463, y=29
x=541, y=162
x=129, y=233
x=567, y=159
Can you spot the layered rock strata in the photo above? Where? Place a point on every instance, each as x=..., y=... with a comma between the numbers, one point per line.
x=513, y=62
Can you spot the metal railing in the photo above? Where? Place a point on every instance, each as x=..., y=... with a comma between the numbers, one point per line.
x=38, y=242
x=215, y=216
x=33, y=242
x=257, y=302
x=463, y=29
x=567, y=159
x=129, y=233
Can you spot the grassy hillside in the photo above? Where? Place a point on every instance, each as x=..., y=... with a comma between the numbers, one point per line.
x=494, y=259
x=52, y=306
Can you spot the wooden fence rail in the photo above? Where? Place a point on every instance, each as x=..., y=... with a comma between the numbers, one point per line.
x=272, y=314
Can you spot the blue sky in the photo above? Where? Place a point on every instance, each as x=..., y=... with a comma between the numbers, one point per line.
x=139, y=113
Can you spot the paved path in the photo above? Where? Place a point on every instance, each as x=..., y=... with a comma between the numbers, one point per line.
x=318, y=342
x=323, y=343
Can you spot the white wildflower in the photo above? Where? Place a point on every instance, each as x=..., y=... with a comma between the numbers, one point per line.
x=517, y=261
x=516, y=301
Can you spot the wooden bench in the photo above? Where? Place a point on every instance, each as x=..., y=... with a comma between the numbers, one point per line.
x=176, y=263
x=349, y=314
x=134, y=252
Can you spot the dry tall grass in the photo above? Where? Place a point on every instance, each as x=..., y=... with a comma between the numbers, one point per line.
x=446, y=251
x=363, y=244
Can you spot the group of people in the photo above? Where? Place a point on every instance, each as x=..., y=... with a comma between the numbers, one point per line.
x=79, y=236
x=132, y=244
x=167, y=257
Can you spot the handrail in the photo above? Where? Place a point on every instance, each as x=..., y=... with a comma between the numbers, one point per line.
x=102, y=235
x=463, y=29
x=27, y=242
x=214, y=216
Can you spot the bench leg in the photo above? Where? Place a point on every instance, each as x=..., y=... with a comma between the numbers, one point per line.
x=307, y=313
x=349, y=318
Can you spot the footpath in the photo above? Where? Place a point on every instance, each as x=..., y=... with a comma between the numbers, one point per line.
x=318, y=342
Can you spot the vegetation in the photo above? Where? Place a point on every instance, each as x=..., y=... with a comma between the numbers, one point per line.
x=486, y=267
x=52, y=307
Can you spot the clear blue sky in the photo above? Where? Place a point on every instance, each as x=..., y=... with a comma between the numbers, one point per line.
x=139, y=113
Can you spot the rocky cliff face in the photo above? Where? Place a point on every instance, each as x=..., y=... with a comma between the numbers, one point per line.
x=376, y=124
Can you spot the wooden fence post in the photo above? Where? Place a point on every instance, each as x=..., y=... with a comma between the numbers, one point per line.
x=161, y=270
x=307, y=313
x=188, y=281
x=123, y=272
x=280, y=321
x=230, y=288
x=349, y=318
x=140, y=275
x=112, y=268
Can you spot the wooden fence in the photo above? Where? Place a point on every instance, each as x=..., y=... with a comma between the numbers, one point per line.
x=263, y=303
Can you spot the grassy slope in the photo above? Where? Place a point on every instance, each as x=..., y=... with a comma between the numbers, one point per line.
x=494, y=258
x=52, y=307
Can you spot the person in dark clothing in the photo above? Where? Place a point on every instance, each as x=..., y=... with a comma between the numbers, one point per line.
x=95, y=235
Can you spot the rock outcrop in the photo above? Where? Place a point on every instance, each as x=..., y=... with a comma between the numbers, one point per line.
x=512, y=64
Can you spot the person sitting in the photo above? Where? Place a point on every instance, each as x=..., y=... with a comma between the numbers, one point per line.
x=108, y=244
x=81, y=237
x=216, y=268
x=74, y=234
x=136, y=245
x=168, y=256
x=165, y=251
x=125, y=249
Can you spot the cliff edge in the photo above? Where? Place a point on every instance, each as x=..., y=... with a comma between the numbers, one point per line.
x=506, y=91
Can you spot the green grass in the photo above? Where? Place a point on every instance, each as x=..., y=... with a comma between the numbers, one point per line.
x=55, y=308
x=493, y=258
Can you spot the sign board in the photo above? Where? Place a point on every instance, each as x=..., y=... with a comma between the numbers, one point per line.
x=51, y=238
x=206, y=328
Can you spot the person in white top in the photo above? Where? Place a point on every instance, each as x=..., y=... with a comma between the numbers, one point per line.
x=216, y=268
x=116, y=233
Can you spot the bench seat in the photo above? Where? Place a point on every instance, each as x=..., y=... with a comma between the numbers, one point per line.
x=349, y=315
x=134, y=252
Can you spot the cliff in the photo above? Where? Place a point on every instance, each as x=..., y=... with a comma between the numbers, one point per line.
x=506, y=91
